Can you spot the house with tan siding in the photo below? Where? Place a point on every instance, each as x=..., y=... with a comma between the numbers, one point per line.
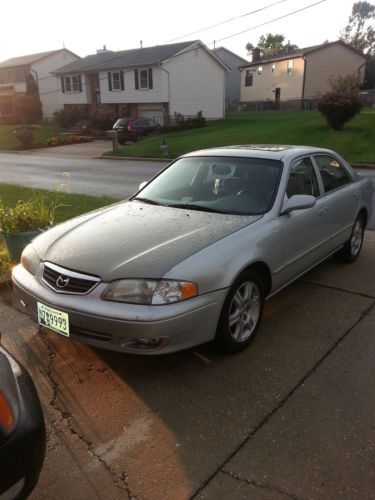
x=182, y=78
x=300, y=75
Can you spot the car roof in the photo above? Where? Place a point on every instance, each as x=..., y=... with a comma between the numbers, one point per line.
x=269, y=151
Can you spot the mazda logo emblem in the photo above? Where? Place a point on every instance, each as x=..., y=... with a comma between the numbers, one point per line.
x=62, y=281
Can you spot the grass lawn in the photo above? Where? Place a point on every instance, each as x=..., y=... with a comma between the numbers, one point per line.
x=8, y=141
x=74, y=204
x=356, y=142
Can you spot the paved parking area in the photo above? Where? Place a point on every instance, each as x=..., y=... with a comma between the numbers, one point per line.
x=290, y=418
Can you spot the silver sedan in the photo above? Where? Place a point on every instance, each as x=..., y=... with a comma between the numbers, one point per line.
x=194, y=254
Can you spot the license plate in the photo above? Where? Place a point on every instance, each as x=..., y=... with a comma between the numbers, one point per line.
x=53, y=319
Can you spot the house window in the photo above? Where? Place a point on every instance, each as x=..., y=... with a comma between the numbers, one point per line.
x=143, y=79
x=290, y=67
x=260, y=70
x=68, y=85
x=116, y=81
x=273, y=69
x=248, y=78
x=13, y=76
x=75, y=83
x=71, y=84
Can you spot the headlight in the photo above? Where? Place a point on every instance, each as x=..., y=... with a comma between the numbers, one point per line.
x=138, y=291
x=30, y=259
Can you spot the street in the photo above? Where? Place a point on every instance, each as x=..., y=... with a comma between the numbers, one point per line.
x=92, y=176
x=96, y=177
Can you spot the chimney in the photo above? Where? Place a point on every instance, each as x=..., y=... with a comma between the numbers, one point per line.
x=100, y=51
x=256, y=54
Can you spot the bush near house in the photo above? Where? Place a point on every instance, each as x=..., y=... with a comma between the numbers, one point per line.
x=68, y=117
x=342, y=102
x=187, y=124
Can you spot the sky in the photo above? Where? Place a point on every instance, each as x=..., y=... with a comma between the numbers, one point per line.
x=83, y=26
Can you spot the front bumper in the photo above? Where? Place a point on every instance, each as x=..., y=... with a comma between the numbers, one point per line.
x=116, y=326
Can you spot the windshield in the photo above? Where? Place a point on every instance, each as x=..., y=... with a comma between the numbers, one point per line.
x=245, y=186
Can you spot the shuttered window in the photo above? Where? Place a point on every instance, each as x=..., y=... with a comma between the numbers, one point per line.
x=143, y=79
x=71, y=84
x=116, y=81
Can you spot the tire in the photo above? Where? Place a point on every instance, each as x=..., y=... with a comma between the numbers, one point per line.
x=350, y=251
x=241, y=314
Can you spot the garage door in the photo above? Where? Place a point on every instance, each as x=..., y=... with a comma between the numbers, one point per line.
x=150, y=111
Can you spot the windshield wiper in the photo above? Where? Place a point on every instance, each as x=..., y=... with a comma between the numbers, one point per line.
x=150, y=202
x=201, y=208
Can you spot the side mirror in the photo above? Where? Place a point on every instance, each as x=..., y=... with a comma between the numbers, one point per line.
x=298, y=202
x=142, y=185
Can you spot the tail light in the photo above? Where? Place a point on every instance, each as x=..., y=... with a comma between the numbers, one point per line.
x=130, y=126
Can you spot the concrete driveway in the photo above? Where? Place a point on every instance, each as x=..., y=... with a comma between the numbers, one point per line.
x=83, y=150
x=292, y=417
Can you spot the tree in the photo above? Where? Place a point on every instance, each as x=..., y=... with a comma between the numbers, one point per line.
x=359, y=32
x=272, y=45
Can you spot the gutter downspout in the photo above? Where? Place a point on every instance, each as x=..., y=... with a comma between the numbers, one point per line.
x=304, y=81
x=169, y=90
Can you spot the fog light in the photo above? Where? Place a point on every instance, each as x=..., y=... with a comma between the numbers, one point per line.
x=149, y=342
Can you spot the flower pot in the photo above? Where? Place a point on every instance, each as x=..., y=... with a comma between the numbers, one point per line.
x=16, y=242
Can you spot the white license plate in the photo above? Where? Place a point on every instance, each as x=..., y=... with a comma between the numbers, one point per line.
x=53, y=319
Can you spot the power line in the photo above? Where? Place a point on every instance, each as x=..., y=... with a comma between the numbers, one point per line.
x=271, y=21
x=227, y=21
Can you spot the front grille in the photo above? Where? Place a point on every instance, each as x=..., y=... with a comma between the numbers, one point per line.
x=63, y=280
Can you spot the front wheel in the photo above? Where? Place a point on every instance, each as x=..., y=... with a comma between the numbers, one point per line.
x=241, y=314
x=352, y=248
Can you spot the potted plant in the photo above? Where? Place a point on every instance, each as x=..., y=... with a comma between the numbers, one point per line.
x=20, y=224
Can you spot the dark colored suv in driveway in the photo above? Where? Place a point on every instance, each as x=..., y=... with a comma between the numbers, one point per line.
x=132, y=129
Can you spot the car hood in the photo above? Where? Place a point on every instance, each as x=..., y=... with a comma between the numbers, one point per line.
x=133, y=239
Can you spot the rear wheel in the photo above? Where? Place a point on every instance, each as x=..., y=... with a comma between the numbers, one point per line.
x=241, y=314
x=352, y=248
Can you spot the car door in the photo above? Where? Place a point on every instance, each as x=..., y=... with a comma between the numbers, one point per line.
x=303, y=238
x=340, y=200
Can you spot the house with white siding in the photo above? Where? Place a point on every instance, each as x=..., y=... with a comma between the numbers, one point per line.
x=162, y=81
x=17, y=72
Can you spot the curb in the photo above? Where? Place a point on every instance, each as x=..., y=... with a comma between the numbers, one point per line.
x=135, y=158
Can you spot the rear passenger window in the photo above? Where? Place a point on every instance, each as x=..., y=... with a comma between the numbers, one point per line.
x=332, y=172
x=302, y=179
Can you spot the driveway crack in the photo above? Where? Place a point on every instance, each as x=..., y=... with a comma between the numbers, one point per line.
x=120, y=480
x=263, y=486
x=337, y=289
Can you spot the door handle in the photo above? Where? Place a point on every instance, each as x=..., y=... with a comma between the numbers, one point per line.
x=323, y=211
x=356, y=194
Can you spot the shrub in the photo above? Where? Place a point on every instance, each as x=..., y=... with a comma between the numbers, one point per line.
x=36, y=213
x=68, y=117
x=102, y=120
x=190, y=123
x=25, y=136
x=342, y=102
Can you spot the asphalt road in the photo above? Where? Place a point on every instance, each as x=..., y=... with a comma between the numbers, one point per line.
x=118, y=178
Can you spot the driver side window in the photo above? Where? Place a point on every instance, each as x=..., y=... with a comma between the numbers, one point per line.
x=302, y=179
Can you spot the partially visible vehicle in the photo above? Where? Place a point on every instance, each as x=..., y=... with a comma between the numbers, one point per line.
x=132, y=129
x=22, y=430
